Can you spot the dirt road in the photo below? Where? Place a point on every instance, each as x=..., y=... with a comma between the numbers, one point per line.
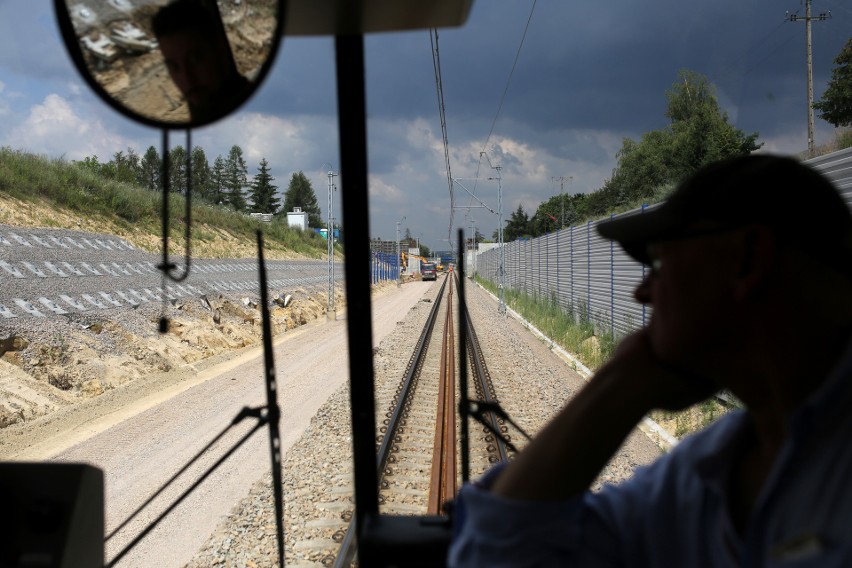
x=140, y=444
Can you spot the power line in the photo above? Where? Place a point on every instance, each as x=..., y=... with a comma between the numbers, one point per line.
x=754, y=48
x=439, y=86
x=509, y=79
x=500, y=105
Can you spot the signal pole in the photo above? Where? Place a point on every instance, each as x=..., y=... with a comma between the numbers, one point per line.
x=807, y=19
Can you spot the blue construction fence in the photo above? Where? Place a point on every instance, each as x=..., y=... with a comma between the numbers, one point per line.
x=384, y=266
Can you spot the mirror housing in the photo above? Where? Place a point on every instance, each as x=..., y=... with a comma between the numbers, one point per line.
x=172, y=63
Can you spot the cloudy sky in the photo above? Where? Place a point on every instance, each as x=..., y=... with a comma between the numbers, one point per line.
x=587, y=75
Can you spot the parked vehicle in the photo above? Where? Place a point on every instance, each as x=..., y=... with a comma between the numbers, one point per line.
x=428, y=271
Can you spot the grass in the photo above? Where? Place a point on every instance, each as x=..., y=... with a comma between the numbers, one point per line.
x=49, y=192
x=568, y=328
x=842, y=139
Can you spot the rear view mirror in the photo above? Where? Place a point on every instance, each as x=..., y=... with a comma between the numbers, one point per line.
x=172, y=63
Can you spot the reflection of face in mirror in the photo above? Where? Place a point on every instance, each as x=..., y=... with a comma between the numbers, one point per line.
x=198, y=57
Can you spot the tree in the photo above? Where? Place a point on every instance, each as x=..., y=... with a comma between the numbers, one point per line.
x=700, y=132
x=177, y=170
x=131, y=168
x=518, y=225
x=300, y=193
x=262, y=194
x=201, y=176
x=149, y=169
x=236, y=178
x=836, y=104
x=559, y=211
x=218, y=185
x=90, y=163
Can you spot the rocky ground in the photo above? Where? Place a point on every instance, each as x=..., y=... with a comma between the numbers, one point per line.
x=49, y=364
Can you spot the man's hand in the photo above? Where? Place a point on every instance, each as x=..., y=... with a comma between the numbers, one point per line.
x=658, y=385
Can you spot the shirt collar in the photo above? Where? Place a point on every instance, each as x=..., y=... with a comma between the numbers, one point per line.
x=719, y=444
x=831, y=401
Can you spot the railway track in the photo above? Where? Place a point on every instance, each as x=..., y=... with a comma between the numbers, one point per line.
x=420, y=458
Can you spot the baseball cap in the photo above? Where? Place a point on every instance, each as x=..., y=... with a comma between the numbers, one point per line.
x=798, y=203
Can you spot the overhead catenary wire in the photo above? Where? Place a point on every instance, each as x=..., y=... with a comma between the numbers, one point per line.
x=439, y=86
x=737, y=66
x=436, y=62
x=503, y=96
x=509, y=79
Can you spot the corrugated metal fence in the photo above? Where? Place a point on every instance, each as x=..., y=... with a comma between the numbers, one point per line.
x=593, y=277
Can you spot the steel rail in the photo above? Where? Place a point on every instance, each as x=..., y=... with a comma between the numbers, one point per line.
x=485, y=388
x=390, y=425
x=442, y=486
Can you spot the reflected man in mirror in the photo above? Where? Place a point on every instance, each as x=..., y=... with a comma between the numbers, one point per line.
x=199, y=59
x=751, y=289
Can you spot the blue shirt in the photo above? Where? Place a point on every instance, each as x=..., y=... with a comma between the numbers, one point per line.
x=674, y=513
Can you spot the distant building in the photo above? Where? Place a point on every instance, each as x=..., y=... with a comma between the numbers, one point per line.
x=389, y=247
x=297, y=218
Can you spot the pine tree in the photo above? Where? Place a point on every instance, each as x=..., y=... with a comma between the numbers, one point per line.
x=517, y=226
x=300, y=193
x=262, y=194
x=218, y=186
x=149, y=169
x=133, y=166
x=177, y=170
x=201, y=181
x=236, y=178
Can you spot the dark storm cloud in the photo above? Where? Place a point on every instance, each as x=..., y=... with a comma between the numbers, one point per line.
x=583, y=68
x=302, y=79
x=589, y=74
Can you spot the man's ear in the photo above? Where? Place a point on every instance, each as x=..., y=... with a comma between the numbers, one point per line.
x=759, y=247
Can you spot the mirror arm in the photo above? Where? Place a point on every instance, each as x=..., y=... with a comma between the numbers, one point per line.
x=167, y=267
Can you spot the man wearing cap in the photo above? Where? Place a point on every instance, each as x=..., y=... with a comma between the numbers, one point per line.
x=751, y=289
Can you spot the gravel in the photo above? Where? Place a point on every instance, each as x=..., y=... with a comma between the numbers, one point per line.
x=532, y=383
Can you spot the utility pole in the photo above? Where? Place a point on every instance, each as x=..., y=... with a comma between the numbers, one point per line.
x=561, y=198
x=331, y=310
x=807, y=19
